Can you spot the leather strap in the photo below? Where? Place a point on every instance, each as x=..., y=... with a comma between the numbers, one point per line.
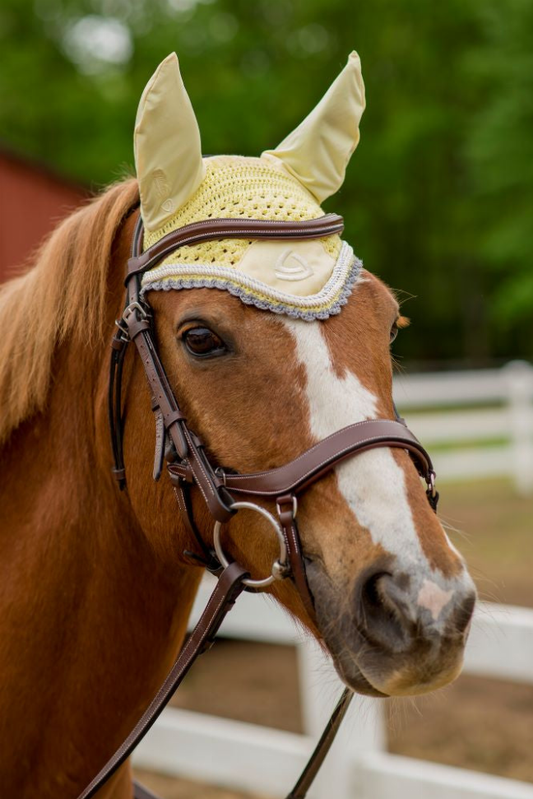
x=287, y=512
x=314, y=763
x=188, y=446
x=228, y=588
x=307, y=468
x=208, y=557
x=322, y=748
x=197, y=232
x=312, y=766
x=114, y=403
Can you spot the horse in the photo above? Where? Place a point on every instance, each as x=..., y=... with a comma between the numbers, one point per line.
x=97, y=583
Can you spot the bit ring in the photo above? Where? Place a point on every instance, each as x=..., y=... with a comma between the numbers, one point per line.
x=279, y=567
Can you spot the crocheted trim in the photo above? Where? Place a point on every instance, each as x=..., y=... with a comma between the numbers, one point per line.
x=327, y=302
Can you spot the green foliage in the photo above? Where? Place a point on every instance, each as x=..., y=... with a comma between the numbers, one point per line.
x=439, y=196
x=499, y=151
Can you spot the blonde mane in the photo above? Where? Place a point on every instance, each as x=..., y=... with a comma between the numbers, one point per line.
x=62, y=295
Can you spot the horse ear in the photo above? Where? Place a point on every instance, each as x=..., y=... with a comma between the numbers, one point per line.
x=318, y=151
x=168, y=151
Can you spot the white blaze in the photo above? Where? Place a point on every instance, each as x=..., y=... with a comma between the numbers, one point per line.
x=372, y=483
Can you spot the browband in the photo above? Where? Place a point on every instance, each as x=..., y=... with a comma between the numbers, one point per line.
x=209, y=229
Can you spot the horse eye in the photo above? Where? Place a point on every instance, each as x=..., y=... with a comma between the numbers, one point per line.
x=393, y=332
x=201, y=341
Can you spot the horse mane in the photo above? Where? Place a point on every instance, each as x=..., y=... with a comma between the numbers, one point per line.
x=62, y=295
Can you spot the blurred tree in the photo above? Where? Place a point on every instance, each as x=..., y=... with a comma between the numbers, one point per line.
x=439, y=196
x=499, y=150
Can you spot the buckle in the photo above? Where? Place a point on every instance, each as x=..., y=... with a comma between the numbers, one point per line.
x=122, y=335
x=132, y=308
x=294, y=507
x=431, y=492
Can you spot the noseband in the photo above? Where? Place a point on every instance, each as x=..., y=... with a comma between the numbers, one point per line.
x=223, y=491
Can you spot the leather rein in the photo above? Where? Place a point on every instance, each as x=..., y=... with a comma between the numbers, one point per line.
x=224, y=492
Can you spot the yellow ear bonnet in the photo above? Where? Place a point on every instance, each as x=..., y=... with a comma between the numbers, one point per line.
x=304, y=279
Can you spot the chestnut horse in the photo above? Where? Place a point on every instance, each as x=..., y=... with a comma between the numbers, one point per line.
x=95, y=589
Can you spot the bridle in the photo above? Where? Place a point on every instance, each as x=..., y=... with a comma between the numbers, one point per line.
x=223, y=491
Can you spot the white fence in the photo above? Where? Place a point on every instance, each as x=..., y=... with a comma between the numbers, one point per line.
x=254, y=758
x=495, y=432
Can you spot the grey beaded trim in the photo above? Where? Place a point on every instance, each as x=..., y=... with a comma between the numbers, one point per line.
x=247, y=298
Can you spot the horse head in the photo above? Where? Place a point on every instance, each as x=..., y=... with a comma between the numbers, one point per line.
x=270, y=347
x=276, y=351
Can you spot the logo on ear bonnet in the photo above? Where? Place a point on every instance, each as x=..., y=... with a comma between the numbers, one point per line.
x=299, y=271
x=163, y=191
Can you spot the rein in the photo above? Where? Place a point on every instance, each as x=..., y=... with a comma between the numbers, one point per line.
x=224, y=493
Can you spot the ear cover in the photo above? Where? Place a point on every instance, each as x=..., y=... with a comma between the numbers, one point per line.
x=317, y=151
x=168, y=151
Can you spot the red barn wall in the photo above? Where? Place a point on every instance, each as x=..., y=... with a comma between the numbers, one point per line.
x=32, y=201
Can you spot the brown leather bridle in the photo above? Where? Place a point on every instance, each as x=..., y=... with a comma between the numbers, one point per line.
x=225, y=492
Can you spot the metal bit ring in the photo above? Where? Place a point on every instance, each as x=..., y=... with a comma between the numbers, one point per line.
x=279, y=567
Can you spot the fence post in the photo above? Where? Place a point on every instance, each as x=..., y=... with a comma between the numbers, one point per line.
x=519, y=379
x=362, y=731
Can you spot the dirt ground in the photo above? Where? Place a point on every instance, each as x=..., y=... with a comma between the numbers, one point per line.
x=481, y=724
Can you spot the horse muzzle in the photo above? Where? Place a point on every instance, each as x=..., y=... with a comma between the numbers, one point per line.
x=394, y=633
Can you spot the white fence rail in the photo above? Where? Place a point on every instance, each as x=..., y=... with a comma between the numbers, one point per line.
x=428, y=401
x=245, y=756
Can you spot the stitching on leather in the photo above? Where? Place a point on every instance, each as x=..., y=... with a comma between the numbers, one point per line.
x=197, y=460
x=316, y=446
x=181, y=503
x=235, y=224
x=346, y=449
x=386, y=442
x=304, y=454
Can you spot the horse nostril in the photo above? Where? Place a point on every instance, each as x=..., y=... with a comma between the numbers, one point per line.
x=383, y=611
x=395, y=615
x=370, y=593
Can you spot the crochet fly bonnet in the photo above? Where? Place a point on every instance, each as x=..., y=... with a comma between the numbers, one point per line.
x=306, y=279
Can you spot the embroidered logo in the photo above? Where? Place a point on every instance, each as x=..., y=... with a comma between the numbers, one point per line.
x=163, y=190
x=291, y=266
